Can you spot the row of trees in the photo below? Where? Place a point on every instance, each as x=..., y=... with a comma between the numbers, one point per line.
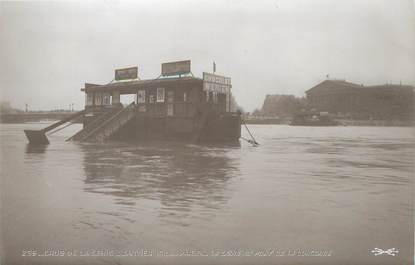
x=6, y=108
x=281, y=106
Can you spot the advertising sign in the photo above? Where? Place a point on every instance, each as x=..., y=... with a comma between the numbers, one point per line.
x=175, y=68
x=216, y=83
x=126, y=73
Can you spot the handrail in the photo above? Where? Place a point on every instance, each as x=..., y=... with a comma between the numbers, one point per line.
x=39, y=136
x=65, y=120
x=109, y=120
x=90, y=125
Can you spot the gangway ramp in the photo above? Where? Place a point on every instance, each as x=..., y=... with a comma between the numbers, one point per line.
x=39, y=136
x=106, y=125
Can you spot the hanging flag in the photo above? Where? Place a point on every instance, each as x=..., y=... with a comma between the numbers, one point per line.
x=214, y=67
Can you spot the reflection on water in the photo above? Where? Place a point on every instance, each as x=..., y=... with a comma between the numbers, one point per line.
x=178, y=176
x=344, y=189
x=35, y=149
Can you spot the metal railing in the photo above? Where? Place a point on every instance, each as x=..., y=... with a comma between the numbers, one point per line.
x=92, y=125
x=112, y=124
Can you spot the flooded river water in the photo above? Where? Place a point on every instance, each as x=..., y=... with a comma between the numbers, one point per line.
x=306, y=195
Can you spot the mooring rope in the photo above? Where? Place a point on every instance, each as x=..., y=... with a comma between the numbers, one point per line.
x=253, y=141
x=249, y=141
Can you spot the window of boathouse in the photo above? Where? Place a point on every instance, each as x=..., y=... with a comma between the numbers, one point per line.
x=141, y=96
x=160, y=94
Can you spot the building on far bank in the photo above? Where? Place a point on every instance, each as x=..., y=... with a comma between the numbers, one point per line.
x=349, y=100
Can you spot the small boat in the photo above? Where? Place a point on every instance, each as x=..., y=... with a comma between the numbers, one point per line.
x=313, y=119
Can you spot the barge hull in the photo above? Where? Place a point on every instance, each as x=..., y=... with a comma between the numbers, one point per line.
x=218, y=129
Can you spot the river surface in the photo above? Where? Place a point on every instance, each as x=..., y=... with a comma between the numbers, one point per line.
x=306, y=195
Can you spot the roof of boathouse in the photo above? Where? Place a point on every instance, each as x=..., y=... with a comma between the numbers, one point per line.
x=173, y=75
x=131, y=86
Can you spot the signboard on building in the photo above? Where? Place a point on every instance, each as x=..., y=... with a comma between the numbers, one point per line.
x=126, y=73
x=175, y=68
x=216, y=83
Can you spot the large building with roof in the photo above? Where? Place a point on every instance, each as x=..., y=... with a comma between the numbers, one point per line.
x=350, y=100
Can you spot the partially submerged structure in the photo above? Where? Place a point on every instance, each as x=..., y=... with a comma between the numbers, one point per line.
x=176, y=105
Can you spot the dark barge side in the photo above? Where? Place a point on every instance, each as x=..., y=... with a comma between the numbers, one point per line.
x=176, y=105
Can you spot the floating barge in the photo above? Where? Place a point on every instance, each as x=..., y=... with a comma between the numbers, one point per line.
x=176, y=105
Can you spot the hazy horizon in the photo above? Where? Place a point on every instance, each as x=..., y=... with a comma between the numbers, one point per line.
x=48, y=50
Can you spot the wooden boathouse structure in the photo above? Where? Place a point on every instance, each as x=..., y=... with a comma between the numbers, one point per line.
x=175, y=105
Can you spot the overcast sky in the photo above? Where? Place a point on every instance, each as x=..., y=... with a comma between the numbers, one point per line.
x=49, y=49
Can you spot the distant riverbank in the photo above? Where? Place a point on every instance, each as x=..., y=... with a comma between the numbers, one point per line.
x=391, y=123
x=33, y=116
x=342, y=122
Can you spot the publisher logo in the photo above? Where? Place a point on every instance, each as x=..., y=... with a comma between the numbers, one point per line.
x=379, y=251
